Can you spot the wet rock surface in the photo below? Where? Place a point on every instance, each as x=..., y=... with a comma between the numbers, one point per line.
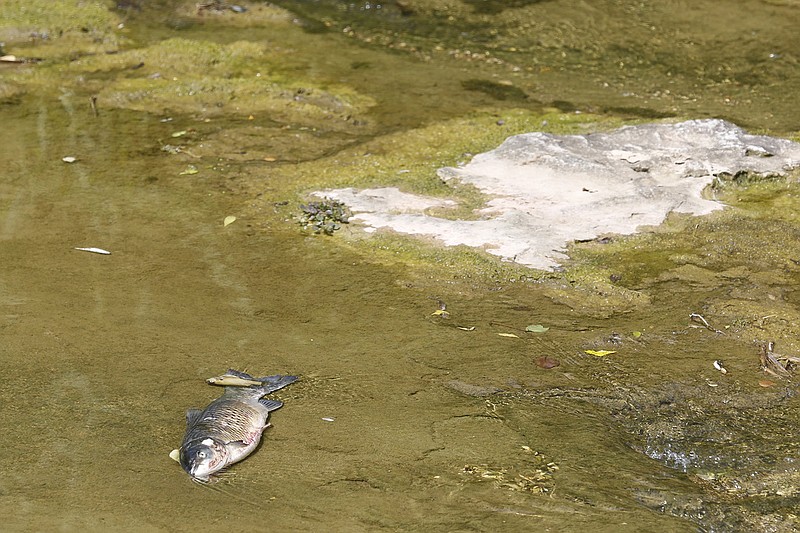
x=549, y=190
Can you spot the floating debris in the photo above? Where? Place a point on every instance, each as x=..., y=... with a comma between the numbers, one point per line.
x=535, y=477
x=600, y=353
x=69, y=159
x=699, y=319
x=10, y=58
x=228, y=220
x=547, y=362
x=719, y=366
x=328, y=418
x=94, y=250
x=778, y=366
x=536, y=328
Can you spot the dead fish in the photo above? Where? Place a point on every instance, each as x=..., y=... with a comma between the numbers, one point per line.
x=230, y=428
x=232, y=380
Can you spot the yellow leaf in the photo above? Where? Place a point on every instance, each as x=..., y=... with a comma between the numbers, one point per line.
x=228, y=220
x=441, y=312
x=600, y=353
x=509, y=335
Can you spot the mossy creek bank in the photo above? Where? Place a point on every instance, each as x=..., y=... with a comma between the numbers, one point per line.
x=446, y=412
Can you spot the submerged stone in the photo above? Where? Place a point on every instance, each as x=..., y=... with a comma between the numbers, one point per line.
x=549, y=190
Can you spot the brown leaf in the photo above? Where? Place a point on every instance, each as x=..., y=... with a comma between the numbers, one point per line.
x=766, y=382
x=547, y=362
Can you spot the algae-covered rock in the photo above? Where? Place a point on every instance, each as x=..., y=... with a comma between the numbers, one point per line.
x=76, y=25
x=549, y=190
x=189, y=76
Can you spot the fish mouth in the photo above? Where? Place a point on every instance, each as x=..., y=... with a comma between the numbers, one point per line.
x=200, y=479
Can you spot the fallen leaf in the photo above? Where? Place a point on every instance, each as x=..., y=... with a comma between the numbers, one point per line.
x=228, y=220
x=179, y=133
x=509, y=335
x=69, y=159
x=766, y=382
x=547, y=362
x=600, y=353
x=536, y=328
x=94, y=250
x=636, y=334
x=471, y=328
x=175, y=455
x=441, y=312
x=191, y=169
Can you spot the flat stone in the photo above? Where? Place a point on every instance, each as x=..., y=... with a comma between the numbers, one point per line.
x=549, y=190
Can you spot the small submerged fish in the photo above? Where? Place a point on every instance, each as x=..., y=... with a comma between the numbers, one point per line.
x=230, y=428
x=232, y=380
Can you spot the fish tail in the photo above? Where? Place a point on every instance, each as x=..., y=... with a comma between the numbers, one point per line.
x=273, y=383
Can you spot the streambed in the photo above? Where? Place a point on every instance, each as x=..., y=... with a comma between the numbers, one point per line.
x=437, y=422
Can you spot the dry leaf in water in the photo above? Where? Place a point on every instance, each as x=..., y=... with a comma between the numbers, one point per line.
x=228, y=220
x=536, y=328
x=600, y=353
x=547, y=362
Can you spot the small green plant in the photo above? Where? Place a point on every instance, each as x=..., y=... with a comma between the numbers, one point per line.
x=324, y=216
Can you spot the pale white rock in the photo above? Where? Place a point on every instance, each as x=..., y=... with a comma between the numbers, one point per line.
x=549, y=190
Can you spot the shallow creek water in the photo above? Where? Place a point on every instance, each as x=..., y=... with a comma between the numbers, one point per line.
x=400, y=420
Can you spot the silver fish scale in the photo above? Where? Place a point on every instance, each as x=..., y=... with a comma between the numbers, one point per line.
x=228, y=421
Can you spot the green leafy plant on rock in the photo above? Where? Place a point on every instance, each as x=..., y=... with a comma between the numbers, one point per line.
x=324, y=216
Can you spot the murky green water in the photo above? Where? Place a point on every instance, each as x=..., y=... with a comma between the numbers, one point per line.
x=436, y=426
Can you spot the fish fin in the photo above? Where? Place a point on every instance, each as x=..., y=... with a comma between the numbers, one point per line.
x=243, y=375
x=192, y=415
x=271, y=405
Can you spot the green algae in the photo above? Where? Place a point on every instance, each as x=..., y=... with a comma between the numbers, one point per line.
x=610, y=55
x=51, y=29
x=188, y=76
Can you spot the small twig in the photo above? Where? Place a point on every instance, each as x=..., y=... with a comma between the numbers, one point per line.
x=699, y=319
x=770, y=364
x=93, y=104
